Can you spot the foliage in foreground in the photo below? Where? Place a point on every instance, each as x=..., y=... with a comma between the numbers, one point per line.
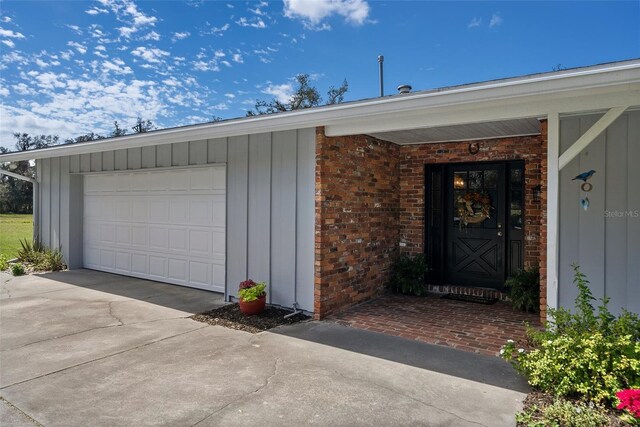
x=407, y=275
x=17, y=269
x=630, y=403
x=588, y=355
x=563, y=413
x=251, y=291
x=39, y=257
x=4, y=262
x=524, y=290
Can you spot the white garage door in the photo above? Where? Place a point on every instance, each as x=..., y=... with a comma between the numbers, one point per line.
x=164, y=225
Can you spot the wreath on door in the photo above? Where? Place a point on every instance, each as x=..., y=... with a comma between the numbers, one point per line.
x=473, y=208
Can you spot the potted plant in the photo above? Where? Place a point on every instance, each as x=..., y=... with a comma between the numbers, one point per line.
x=252, y=297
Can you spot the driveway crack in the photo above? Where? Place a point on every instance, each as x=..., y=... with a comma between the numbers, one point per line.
x=24, y=414
x=267, y=381
x=408, y=397
x=104, y=357
x=113, y=315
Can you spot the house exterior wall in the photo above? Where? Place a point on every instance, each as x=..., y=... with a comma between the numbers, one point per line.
x=356, y=211
x=270, y=204
x=605, y=239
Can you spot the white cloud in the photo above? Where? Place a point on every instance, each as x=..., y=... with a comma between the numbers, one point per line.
x=77, y=46
x=5, y=19
x=96, y=11
x=211, y=65
x=4, y=91
x=313, y=12
x=23, y=89
x=475, y=22
x=282, y=93
x=40, y=63
x=253, y=22
x=237, y=58
x=219, y=54
x=496, y=20
x=11, y=34
x=216, y=31
x=117, y=67
x=151, y=36
x=227, y=63
x=150, y=54
x=8, y=43
x=180, y=36
x=127, y=11
x=75, y=29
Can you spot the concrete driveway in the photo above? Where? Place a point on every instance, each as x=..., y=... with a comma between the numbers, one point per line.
x=86, y=348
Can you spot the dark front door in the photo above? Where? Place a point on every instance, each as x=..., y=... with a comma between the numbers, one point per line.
x=475, y=225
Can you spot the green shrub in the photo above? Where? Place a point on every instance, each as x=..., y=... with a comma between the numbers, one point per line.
x=40, y=257
x=407, y=275
x=253, y=292
x=17, y=269
x=563, y=413
x=524, y=290
x=4, y=262
x=588, y=354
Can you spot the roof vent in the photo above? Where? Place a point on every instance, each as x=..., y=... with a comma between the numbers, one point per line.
x=404, y=88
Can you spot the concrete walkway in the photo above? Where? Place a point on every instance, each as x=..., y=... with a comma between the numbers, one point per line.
x=87, y=348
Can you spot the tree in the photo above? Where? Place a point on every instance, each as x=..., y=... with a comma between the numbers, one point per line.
x=117, y=131
x=84, y=138
x=143, y=126
x=304, y=96
x=16, y=196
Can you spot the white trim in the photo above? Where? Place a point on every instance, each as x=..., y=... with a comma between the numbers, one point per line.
x=508, y=93
x=17, y=176
x=375, y=135
x=591, y=134
x=162, y=168
x=553, y=206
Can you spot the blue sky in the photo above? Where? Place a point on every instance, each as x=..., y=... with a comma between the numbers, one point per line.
x=72, y=67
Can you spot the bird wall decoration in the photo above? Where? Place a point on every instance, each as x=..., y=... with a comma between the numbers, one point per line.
x=584, y=176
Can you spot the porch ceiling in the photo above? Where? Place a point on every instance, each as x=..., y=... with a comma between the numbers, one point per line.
x=464, y=132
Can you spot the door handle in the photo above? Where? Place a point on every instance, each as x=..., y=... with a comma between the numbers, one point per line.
x=499, y=233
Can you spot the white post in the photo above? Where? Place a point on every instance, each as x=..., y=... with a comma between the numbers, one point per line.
x=553, y=190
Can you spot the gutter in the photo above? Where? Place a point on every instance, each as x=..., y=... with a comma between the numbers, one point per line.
x=521, y=87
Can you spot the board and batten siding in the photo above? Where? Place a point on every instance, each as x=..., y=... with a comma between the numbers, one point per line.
x=605, y=239
x=270, y=204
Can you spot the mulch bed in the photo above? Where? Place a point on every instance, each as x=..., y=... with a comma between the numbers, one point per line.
x=541, y=400
x=231, y=317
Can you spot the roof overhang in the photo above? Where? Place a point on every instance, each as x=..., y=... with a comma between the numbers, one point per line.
x=568, y=91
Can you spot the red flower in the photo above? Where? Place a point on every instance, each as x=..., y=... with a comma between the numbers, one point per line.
x=630, y=401
x=247, y=284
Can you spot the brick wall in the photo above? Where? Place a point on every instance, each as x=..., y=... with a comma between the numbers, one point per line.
x=370, y=198
x=356, y=230
x=412, y=185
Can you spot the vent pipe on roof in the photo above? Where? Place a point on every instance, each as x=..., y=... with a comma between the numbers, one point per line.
x=380, y=63
x=404, y=88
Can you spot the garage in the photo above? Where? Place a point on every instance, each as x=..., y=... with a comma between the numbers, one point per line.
x=166, y=224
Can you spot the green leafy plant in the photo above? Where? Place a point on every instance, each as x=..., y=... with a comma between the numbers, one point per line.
x=40, y=257
x=590, y=354
x=17, y=269
x=563, y=413
x=251, y=291
x=407, y=275
x=524, y=289
x=4, y=262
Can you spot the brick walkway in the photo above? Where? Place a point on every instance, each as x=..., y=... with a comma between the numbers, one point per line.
x=466, y=326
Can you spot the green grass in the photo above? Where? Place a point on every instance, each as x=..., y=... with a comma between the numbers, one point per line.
x=14, y=227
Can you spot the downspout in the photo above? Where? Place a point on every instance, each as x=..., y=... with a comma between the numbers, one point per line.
x=36, y=198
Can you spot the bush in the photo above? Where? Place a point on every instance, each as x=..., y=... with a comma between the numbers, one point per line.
x=41, y=258
x=563, y=413
x=4, y=262
x=407, y=275
x=251, y=291
x=587, y=355
x=524, y=290
x=17, y=269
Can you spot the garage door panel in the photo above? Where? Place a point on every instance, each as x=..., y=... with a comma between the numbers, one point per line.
x=163, y=225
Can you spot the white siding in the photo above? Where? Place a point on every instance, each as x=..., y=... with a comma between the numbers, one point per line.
x=605, y=239
x=270, y=204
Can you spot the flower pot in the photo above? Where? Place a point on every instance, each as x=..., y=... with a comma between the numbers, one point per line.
x=253, y=307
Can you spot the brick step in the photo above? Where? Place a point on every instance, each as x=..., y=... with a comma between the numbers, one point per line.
x=465, y=290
